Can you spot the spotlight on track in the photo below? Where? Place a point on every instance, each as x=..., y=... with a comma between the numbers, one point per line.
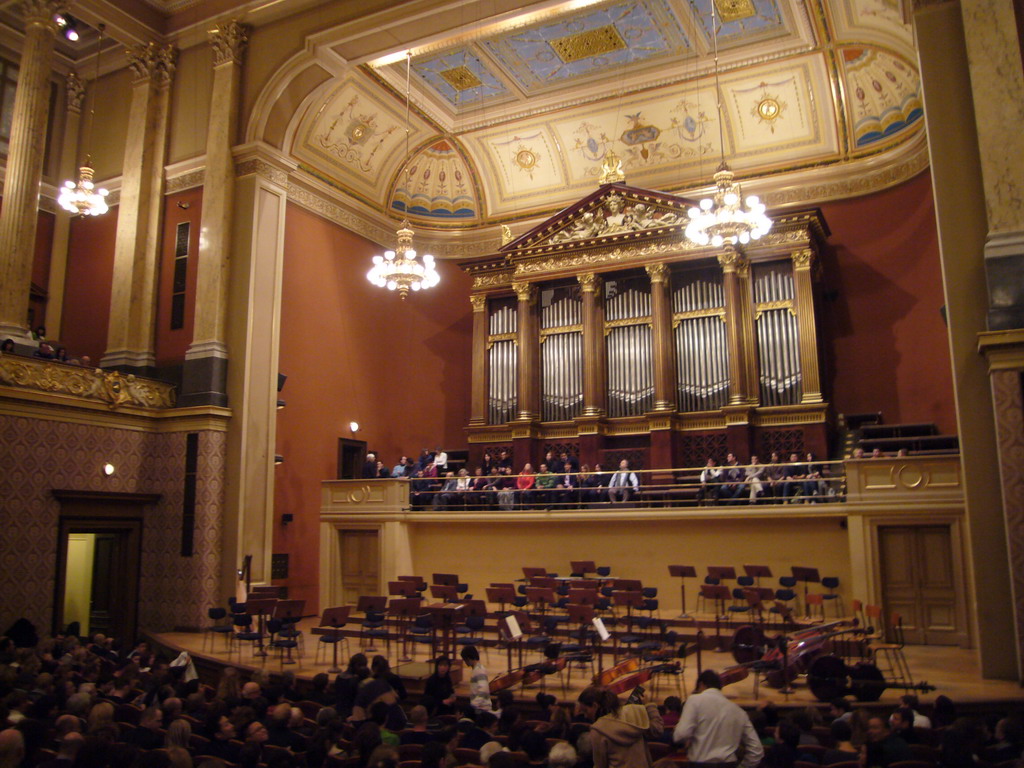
x=68, y=26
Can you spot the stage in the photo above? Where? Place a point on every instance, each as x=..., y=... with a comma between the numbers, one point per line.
x=953, y=671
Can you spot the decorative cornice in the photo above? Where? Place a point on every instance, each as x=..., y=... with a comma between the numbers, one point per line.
x=479, y=302
x=152, y=62
x=74, y=91
x=731, y=260
x=110, y=387
x=502, y=279
x=228, y=41
x=41, y=12
x=590, y=282
x=525, y=291
x=803, y=258
x=188, y=180
x=658, y=272
x=256, y=166
x=334, y=212
x=570, y=261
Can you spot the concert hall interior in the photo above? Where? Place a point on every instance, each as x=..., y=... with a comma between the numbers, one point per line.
x=199, y=368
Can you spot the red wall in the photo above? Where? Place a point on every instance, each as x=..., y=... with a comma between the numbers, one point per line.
x=87, y=285
x=886, y=343
x=355, y=352
x=171, y=345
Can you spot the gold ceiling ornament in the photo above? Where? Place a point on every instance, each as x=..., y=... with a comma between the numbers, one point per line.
x=83, y=197
x=461, y=78
x=726, y=218
x=611, y=169
x=506, y=235
x=400, y=270
x=589, y=43
x=769, y=108
x=734, y=10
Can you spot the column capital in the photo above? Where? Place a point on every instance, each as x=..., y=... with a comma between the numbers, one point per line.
x=228, y=41
x=525, y=291
x=479, y=302
x=590, y=282
x=732, y=260
x=152, y=62
x=803, y=258
x=41, y=12
x=658, y=272
x=74, y=90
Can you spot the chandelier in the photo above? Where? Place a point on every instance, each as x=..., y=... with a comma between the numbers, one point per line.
x=726, y=218
x=400, y=270
x=82, y=197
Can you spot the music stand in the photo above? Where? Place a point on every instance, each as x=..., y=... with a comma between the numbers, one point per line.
x=444, y=618
x=420, y=583
x=445, y=579
x=757, y=571
x=583, y=567
x=260, y=608
x=501, y=596
x=682, y=572
x=449, y=593
x=541, y=596
x=586, y=597
x=806, y=575
x=582, y=615
x=627, y=585
x=402, y=588
x=529, y=573
x=404, y=610
x=722, y=572
x=330, y=624
x=511, y=629
x=719, y=593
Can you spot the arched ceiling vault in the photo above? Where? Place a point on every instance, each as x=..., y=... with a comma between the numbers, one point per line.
x=513, y=114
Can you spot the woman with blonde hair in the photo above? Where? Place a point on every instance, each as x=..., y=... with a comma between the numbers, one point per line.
x=179, y=734
x=227, y=686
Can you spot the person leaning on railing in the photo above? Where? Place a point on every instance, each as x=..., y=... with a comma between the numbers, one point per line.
x=709, y=483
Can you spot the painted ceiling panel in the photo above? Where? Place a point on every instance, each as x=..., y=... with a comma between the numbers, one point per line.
x=437, y=186
x=460, y=77
x=740, y=21
x=884, y=94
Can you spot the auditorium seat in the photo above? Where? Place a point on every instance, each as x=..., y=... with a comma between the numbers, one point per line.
x=225, y=630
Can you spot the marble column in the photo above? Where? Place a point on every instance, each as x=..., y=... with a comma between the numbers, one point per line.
x=254, y=304
x=204, y=377
x=963, y=228
x=478, y=385
x=661, y=338
x=594, y=370
x=732, y=262
x=528, y=351
x=27, y=147
x=74, y=91
x=131, y=333
x=803, y=284
x=994, y=56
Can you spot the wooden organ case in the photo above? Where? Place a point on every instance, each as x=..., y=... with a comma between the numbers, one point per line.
x=606, y=333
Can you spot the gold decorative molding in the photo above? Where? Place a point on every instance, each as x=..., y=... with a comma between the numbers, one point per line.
x=624, y=322
x=501, y=279
x=42, y=12
x=1004, y=350
x=184, y=181
x=152, y=62
x=803, y=258
x=495, y=338
x=256, y=166
x=228, y=41
x=590, y=283
x=333, y=212
x=525, y=292
x=545, y=332
x=659, y=273
x=479, y=302
x=767, y=306
x=730, y=259
x=692, y=314
x=573, y=262
x=110, y=387
x=611, y=169
x=74, y=92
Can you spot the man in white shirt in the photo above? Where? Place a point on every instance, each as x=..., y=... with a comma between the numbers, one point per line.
x=623, y=484
x=715, y=729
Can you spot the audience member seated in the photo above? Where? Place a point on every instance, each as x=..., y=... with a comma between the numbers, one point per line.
x=883, y=747
x=793, y=477
x=566, y=493
x=623, y=484
x=753, y=474
x=544, y=487
x=591, y=484
x=524, y=485
x=842, y=750
x=370, y=466
x=710, y=484
x=732, y=479
x=484, y=729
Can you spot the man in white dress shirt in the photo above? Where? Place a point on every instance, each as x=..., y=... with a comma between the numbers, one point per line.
x=623, y=484
x=715, y=729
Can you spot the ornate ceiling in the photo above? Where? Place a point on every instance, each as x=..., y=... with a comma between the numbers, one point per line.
x=513, y=118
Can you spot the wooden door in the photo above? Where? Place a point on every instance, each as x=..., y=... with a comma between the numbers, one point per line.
x=918, y=582
x=360, y=563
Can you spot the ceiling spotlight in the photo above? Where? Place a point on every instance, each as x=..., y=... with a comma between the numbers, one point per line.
x=68, y=25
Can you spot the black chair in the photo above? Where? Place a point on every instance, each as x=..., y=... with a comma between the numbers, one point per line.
x=225, y=630
x=244, y=633
x=281, y=643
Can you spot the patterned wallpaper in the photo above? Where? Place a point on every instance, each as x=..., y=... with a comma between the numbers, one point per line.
x=40, y=456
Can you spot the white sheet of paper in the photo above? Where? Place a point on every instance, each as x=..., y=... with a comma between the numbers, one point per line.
x=512, y=625
x=601, y=630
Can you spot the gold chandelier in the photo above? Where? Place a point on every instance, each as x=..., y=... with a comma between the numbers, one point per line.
x=400, y=270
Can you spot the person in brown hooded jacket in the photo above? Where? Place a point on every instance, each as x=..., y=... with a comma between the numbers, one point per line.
x=619, y=736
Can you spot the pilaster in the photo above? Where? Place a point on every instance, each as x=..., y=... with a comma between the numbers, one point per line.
x=478, y=385
x=594, y=369
x=204, y=377
x=661, y=339
x=803, y=282
x=732, y=261
x=131, y=332
x=26, y=150
x=528, y=350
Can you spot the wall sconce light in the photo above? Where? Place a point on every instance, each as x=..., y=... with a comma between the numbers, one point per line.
x=354, y=426
x=278, y=459
x=108, y=469
x=281, y=379
x=286, y=518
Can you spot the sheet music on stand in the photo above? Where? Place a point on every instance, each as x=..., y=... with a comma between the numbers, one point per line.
x=602, y=631
x=510, y=628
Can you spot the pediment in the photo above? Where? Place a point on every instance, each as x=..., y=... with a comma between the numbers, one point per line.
x=609, y=213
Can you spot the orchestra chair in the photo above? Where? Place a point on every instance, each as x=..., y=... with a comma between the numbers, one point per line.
x=875, y=619
x=784, y=598
x=290, y=613
x=471, y=630
x=831, y=583
x=331, y=622
x=281, y=644
x=422, y=633
x=815, y=605
x=245, y=633
x=713, y=581
x=373, y=625
x=888, y=655
x=215, y=615
x=740, y=605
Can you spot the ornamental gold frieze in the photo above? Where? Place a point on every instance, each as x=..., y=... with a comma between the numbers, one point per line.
x=570, y=262
x=500, y=279
x=110, y=387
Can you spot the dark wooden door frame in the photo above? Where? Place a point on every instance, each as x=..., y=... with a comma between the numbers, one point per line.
x=103, y=512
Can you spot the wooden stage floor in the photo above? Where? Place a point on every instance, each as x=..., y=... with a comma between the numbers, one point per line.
x=953, y=671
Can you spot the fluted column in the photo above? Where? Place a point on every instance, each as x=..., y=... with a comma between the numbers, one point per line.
x=803, y=260
x=27, y=147
x=74, y=92
x=204, y=378
x=478, y=385
x=748, y=338
x=595, y=397
x=732, y=261
x=661, y=338
x=528, y=351
x=131, y=333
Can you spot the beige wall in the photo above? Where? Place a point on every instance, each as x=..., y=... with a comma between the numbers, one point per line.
x=484, y=552
x=106, y=141
x=190, y=103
